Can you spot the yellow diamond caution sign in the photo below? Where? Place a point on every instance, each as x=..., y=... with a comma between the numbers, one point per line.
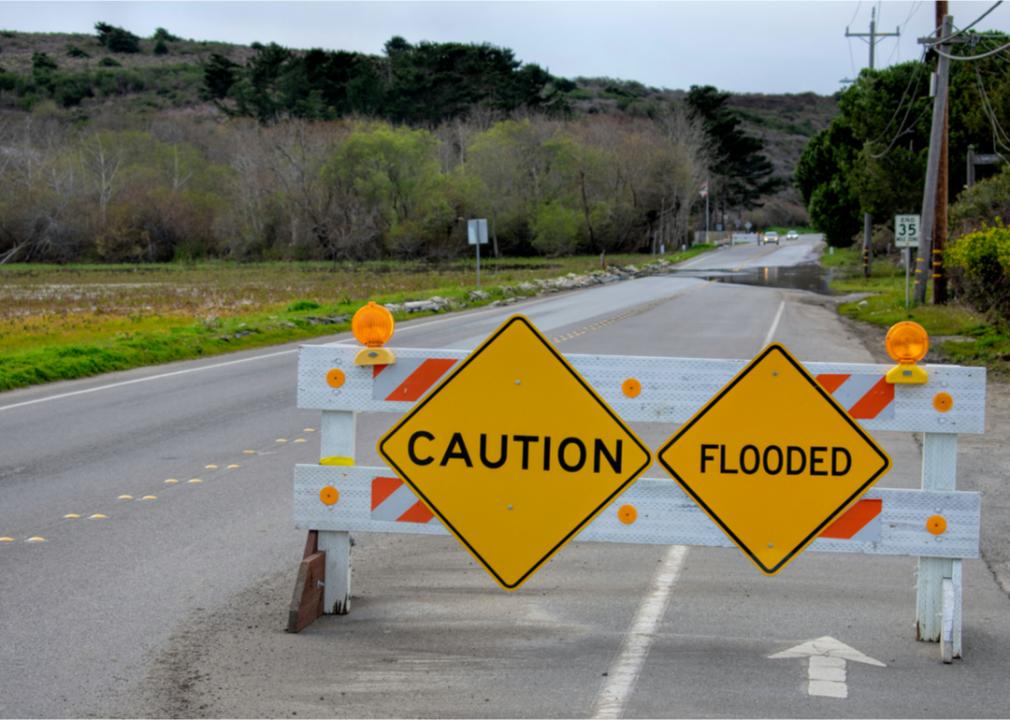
x=773, y=459
x=514, y=452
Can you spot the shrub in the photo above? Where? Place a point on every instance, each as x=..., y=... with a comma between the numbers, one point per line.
x=979, y=266
x=109, y=62
x=160, y=48
x=76, y=52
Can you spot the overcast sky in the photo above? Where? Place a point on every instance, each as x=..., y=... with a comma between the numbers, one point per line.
x=740, y=46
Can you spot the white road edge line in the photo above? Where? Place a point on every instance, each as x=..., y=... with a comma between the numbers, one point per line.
x=624, y=673
x=775, y=324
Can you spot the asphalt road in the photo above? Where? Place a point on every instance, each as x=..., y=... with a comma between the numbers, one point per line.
x=174, y=605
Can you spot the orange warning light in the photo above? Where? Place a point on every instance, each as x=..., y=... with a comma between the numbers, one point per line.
x=373, y=326
x=907, y=343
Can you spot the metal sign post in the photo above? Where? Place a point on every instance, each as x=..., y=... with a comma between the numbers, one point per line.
x=476, y=232
x=906, y=235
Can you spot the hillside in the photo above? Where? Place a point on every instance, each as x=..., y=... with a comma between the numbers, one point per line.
x=132, y=135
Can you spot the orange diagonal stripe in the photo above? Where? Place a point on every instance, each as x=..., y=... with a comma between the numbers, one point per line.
x=382, y=488
x=831, y=382
x=417, y=513
x=418, y=382
x=876, y=399
x=854, y=520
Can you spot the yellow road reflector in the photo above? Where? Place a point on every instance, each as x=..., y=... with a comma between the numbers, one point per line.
x=233, y=466
x=171, y=481
x=308, y=429
x=194, y=481
x=936, y=524
x=299, y=440
x=335, y=378
x=281, y=440
x=6, y=539
x=248, y=452
x=98, y=516
x=210, y=467
x=36, y=539
x=71, y=516
x=149, y=497
x=943, y=402
x=125, y=497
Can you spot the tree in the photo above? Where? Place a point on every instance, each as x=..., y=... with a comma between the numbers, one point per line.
x=218, y=76
x=743, y=171
x=116, y=39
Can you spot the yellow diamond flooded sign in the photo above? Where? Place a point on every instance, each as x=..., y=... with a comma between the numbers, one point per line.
x=514, y=452
x=773, y=459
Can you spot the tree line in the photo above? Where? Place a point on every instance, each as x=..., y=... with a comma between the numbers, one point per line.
x=426, y=83
x=348, y=189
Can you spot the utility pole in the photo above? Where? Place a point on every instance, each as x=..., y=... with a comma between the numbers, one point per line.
x=873, y=36
x=940, y=216
x=923, y=261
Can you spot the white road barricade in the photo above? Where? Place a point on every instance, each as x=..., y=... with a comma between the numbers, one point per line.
x=885, y=521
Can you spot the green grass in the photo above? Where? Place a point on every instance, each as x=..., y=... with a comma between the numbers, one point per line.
x=958, y=333
x=65, y=322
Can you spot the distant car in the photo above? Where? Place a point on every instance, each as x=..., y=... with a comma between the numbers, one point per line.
x=792, y=235
x=770, y=237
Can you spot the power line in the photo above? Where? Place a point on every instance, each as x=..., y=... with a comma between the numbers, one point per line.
x=966, y=28
x=994, y=51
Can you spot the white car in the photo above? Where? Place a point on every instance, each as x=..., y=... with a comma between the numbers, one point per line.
x=792, y=235
x=770, y=237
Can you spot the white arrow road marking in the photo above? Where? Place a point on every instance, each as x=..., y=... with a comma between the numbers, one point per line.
x=826, y=669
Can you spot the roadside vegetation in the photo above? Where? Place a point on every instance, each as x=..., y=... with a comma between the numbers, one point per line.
x=961, y=331
x=69, y=321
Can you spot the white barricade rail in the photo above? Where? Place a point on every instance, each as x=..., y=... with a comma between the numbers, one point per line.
x=890, y=521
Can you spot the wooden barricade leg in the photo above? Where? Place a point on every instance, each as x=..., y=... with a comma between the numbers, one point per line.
x=939, y=472
x=307, y=601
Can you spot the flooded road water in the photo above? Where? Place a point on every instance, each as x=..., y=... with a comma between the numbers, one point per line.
x=808, y=276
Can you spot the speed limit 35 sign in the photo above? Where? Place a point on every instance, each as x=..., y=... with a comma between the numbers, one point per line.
x=906, y=231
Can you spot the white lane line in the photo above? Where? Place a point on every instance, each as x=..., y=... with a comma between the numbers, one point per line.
x=624, y=673
x=775, y=324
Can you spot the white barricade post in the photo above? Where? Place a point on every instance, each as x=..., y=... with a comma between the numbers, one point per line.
x=937, y=524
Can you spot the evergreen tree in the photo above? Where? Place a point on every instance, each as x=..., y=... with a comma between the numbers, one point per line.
x=737, y=158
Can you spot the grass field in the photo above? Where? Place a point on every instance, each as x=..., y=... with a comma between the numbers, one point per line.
x=59, y=322
x=958, y=333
